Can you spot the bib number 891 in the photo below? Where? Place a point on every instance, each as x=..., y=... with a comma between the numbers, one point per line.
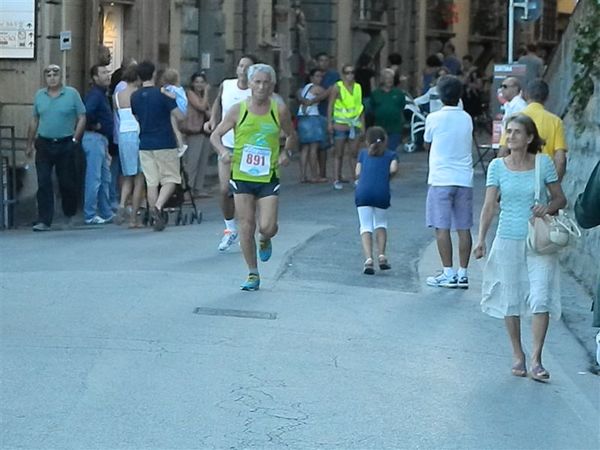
x=255, y=160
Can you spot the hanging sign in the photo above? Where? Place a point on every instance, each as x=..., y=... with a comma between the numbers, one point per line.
x=17, y=29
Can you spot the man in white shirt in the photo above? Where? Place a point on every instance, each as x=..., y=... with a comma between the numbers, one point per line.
x=449, y=138
x=231, y=91
x=511, y=91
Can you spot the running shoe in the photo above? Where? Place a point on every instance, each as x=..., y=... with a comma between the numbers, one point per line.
x=442, y=280
x=463, y=282
x=229, y=238
x=337, y=185
x=265, y=249
x=252, y=283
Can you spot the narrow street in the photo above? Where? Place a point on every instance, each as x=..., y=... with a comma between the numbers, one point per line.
x=129, y=339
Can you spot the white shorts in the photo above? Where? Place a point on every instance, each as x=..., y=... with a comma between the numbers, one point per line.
x=371, y=218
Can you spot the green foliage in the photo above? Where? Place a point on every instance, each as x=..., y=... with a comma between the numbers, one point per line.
x=586, y=58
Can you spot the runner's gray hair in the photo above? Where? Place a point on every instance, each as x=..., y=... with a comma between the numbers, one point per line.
x=264, y=68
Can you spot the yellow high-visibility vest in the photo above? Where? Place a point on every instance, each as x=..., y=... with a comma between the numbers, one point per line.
x=348, y=106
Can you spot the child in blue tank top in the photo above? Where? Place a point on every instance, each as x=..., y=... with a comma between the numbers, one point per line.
x=374, y=169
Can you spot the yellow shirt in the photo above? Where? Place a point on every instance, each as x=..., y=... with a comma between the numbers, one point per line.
x=549, y=126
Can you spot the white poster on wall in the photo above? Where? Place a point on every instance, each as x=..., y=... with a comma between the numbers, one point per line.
x=17, y=29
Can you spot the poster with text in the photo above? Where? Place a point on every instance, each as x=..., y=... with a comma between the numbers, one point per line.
x=17, y=29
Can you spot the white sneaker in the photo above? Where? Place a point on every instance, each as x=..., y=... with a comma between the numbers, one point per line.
x=337, y=185
x=97, y=220
x=443, y=280
x=229, y=238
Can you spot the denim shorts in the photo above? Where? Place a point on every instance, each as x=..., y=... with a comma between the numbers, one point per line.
x=449, y=207
x=345, y=134
x=129, y=150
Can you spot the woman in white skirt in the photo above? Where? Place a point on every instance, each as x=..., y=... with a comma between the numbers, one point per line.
x=517, y=281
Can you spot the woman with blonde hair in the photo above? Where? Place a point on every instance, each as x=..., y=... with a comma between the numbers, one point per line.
x=345, y=116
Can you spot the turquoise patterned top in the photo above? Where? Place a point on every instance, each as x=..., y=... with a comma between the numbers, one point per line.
x=517, y=193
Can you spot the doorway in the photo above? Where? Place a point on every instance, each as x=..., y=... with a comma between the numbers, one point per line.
x=112, y=33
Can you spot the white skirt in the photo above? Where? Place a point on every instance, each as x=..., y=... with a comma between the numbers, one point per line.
x=518, y=282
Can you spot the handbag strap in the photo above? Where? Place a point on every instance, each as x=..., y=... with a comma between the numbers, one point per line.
x=538, y=174
x=568, y=224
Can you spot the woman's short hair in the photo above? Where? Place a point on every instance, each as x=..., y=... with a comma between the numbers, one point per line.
x=264, y=68
x=376, y=140
x=535, y=146
x=130, y=74
x=312, y=73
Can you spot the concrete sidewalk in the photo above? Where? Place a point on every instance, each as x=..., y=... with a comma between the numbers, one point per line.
x=575, y=301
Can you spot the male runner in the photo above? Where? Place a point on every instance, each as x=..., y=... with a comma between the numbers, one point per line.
x=231, y=91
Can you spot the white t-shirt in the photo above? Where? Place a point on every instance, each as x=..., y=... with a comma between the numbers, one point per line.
x=450, y=132
x=516, y=105
x=231, y=95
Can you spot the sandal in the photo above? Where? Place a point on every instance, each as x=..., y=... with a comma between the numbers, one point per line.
x=383, y=263
x=519, y=369
x=368, y=267
x=538, y=373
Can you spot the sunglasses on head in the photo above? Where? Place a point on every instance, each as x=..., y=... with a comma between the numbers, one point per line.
x=506, y=86
x=348, y=72
x=51, y=70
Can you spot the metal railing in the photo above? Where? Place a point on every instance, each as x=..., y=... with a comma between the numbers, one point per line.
x=8, y=176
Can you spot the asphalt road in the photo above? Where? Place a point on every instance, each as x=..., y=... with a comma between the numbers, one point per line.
x=129, y=339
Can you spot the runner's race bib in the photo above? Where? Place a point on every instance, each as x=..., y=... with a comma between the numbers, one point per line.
x=256, y=161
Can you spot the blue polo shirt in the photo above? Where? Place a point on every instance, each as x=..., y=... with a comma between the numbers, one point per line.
x=153, y=111
x=98, y=112
x=57, y=115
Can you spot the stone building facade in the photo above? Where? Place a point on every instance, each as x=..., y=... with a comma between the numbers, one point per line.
x=165, y=31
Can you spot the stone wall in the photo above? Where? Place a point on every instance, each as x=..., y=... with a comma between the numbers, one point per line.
x=584, y=153
x=584, y=149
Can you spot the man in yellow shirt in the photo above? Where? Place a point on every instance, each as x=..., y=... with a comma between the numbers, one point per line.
x=550, y=127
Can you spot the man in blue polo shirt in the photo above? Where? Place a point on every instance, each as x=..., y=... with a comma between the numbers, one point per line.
x=96, y=139
x=53, y=135
x=156, y=114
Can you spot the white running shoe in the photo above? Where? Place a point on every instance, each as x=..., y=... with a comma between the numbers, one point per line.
x=229, y=238
x=443, y=280
x=97, y=220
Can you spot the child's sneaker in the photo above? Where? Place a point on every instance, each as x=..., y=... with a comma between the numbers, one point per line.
x=442, y=280
x=463, y=282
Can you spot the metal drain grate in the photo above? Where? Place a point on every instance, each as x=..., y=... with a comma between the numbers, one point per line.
x=236, y=313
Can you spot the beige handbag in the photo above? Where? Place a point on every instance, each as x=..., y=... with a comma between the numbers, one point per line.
x=549, y=234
